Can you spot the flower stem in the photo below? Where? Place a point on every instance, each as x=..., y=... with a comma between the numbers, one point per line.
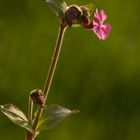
x=52, y=68
x=29, y=136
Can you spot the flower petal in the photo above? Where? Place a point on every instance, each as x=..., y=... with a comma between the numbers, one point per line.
x=107, y=28
x=102, y=32
x=102, y=15
x=97, y=31
x=97, y=17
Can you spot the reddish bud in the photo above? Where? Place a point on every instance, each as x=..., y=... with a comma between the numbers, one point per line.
x=85, y=17
x=77, y=15
x=72, y=15
x=37, y=97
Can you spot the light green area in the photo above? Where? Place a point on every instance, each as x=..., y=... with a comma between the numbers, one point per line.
x=99, y=78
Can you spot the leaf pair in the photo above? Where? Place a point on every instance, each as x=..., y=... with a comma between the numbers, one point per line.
x=52, y=115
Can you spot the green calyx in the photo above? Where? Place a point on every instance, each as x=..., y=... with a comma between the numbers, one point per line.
x=58, y=7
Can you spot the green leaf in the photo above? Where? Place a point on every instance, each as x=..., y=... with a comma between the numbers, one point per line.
x=53, y=115
x=16, y=116
x=57, y=6
x=91, y=7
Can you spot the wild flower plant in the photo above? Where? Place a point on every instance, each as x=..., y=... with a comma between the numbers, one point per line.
x=48, y=116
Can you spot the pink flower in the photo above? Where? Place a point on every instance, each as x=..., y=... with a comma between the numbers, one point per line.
x=100, y=29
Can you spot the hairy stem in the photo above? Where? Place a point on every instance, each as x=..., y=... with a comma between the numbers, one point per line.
x=51, y=71
x=29, y=136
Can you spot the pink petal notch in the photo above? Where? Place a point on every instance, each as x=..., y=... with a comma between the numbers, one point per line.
x=100, y=29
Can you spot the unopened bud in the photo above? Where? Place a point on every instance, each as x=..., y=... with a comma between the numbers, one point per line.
x=77, y=15
x=85, y=17
x=37, y=97
x=72, y=15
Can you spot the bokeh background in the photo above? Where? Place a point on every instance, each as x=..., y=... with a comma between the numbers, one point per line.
x=100, y=78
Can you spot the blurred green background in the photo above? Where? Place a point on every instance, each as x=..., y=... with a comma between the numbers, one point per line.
x=100, y=78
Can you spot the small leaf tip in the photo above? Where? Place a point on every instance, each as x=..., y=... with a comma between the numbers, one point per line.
x=1, y=106
x=75, y=111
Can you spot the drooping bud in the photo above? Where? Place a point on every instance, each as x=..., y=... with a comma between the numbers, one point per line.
x=72, y=15
x=85, y=17
x=77, y=15
x=37, y=97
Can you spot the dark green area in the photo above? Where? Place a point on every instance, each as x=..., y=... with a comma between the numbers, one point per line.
x=100, y=78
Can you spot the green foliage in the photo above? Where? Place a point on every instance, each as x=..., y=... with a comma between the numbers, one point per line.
x=16, y=116
x=53, y=115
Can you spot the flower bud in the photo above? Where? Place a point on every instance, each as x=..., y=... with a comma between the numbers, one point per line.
x=77, y=15
x=72, y=15
x=37, y=97
x=85, y=17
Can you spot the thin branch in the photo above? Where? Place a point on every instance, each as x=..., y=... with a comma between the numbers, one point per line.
x=52, y=68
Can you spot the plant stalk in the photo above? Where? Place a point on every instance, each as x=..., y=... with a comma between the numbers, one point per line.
x=51, y=71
